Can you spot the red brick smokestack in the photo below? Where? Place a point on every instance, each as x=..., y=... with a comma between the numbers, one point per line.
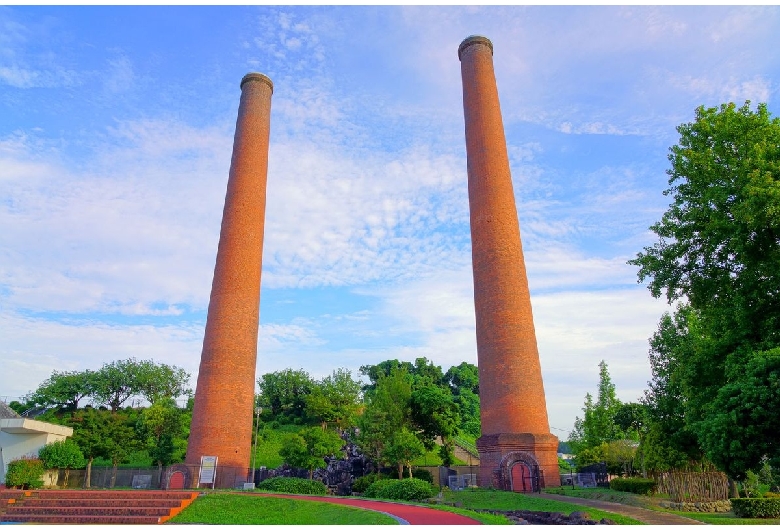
x=515, y=430
x=224, y=396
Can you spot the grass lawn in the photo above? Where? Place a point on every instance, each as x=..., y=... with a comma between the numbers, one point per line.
x=606, y=494
x=227, y=508
x=652, y=503
x=484, y=499
x=724, y=518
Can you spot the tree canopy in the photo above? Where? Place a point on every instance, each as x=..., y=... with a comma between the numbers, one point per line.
x=718, y=255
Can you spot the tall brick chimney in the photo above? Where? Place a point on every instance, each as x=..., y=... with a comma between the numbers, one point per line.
x=516, y=440
x=224, y=396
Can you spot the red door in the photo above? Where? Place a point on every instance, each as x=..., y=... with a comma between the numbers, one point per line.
x=521, y=478
x=176, y=482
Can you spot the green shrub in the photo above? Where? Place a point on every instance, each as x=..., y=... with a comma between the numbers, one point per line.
x=423, y=474
x=408, y=489
x=362, y=483
x=641, y=486
x=25, y=473
x=756, y=508
x=294, y=485
x=772, y=495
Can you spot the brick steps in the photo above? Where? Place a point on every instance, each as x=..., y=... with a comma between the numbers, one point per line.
x=92, y=506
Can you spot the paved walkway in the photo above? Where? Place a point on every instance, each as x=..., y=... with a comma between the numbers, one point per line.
x=640, y=514
x=404, y=513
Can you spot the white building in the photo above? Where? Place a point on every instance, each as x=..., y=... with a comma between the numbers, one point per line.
x=24, y=437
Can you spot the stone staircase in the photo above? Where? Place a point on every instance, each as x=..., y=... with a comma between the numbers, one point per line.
x=92, y=506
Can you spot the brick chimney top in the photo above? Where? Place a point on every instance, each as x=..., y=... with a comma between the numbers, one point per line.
x=257, y=76
x=474, y=39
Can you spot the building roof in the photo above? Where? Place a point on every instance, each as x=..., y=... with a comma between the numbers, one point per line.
x=6, y=412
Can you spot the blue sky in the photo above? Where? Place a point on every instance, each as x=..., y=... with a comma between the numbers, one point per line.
x=116, y=128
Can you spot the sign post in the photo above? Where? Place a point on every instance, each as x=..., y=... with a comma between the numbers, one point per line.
x=208, y=470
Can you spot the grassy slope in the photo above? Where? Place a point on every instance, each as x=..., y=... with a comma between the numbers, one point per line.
x=652, y=503
x=227, y=508
x=482, y=499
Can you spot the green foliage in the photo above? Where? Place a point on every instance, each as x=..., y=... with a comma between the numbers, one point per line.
x=283, y=394
x=118, y=381
x=360, y=484
x=64, y=390
x=718, y=249
x=25, y=473
x=424, y=474
x=403, y=448
x=408, y=489
x=434, y=413
x=335, y=399
x=163, y=429
x=464, y=377
x=757, y=508
x=62, y=454
x=641, y=486
x=308, y=449
x=598, y=424
x=300, y=486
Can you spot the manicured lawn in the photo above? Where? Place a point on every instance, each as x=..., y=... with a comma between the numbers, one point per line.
x=227, y=508
x=485, y=499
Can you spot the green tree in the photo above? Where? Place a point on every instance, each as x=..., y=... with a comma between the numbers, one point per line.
x=335, y=399
x=387, y=410
x=63, y=390
x=465, y=376
x=403, y=448
x=63, y=454
x=308, y=449
x=598, y=424
x=163, y=429
x=434, y=413
x=156, y=381
x=283, y=394
x=719, y=250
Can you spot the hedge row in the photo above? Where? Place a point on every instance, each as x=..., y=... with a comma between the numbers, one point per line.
x=641, y=486
x=756, y=508
x=408, y=489
x=294, y=485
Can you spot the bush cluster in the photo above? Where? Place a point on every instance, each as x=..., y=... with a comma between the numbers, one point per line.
x=25, y=473
x=408, y=489
x=641, y=486
x=294, y=485
x=768, y=508
x=360, y=484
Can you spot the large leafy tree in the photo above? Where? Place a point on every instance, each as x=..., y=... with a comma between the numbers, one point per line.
x=283, y=394
x=163, y=429
x=64, y=390
x=334, y=399
x=718, y=250
x=63, y=454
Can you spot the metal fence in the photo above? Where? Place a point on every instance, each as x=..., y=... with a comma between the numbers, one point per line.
x=176, y=476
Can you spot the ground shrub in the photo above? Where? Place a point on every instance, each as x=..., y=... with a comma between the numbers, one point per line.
x=641, y=486
x=767, y=508
x=294, y=485
x=25, y=473
x=362, y=483
x=424, y=474
x=408, y=489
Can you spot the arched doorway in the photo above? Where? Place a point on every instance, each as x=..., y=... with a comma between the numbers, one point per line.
x=176, y=482
x=519, y=471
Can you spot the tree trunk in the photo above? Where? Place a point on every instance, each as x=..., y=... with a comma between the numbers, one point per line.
x=65, y=480
x=88, y=483
x=400, y=471
x=160, y=473
x=311, y=474
x=410, y=470
x=733, y=490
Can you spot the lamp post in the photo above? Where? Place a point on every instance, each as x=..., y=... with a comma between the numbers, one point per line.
x=258, y=410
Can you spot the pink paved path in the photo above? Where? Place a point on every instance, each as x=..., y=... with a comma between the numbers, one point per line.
x=409, y=513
